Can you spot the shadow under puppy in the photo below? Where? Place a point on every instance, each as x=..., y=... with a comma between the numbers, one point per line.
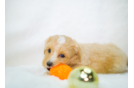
x=103, y=58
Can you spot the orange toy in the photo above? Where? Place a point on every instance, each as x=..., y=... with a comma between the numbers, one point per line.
x=62, y=71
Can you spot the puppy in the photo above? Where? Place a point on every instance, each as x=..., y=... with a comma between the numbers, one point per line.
x=103, y=58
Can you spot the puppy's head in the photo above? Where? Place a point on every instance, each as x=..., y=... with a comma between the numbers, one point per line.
x=60, y=49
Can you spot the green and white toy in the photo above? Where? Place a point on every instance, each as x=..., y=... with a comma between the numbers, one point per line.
x=83, y=77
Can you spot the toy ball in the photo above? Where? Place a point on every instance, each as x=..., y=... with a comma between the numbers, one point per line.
x=61, y=71
x=83, y=77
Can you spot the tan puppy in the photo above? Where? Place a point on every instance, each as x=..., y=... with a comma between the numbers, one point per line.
x=103, y=58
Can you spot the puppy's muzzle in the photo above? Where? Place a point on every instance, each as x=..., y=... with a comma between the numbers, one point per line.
x=49, y=64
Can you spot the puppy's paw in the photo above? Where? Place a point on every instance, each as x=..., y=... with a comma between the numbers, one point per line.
x=47, y=73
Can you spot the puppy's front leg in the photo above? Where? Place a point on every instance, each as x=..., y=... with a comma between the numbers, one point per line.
x=47, y=73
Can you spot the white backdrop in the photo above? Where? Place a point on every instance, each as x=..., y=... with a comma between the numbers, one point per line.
x=30, y=22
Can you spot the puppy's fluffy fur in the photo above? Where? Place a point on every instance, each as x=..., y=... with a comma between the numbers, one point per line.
x=103, y=58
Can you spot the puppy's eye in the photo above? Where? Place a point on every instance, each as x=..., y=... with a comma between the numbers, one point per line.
x=61, y=55
x=49, y=50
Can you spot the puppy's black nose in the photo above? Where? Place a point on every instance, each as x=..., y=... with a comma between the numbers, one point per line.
x=49, y=63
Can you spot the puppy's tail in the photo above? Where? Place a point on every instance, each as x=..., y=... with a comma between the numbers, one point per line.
x=126, y=70
x=127, y=61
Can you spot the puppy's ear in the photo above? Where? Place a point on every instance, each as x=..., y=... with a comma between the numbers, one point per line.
x=76, y=58
x=77, y=52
